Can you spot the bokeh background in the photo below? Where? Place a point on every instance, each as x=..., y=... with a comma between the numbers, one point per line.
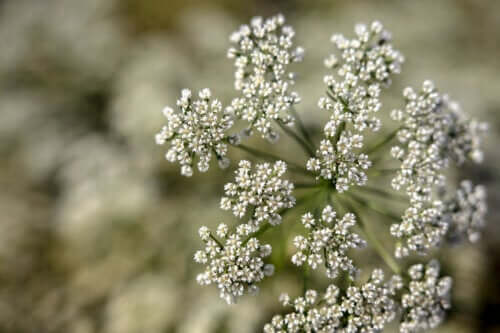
x=97, y=230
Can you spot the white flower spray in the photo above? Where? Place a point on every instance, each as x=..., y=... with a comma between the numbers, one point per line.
x=433, y=133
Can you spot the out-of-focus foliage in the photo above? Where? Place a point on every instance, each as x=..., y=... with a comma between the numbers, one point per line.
x=97, y=231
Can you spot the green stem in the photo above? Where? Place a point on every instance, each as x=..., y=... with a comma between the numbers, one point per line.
x=365, y=203
x=384, y=171
x=305, y=273
x=377, y=245
x=216, y=240
x=384, y=254
x=382, y=142
x=302, y=127
x=270, y=157
x=305, y=146
x=257, y=233
x=305, y=185
x=336, y=138
x=383, y=194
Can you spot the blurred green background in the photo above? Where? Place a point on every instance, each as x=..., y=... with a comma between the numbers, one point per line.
x=97, y=230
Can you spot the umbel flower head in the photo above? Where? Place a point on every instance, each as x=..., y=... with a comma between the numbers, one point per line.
x=327, y=242
x=433, y=132
x=367, y=63
x=427, y=298
x=466, y=212
x=264, y=192
x=340, y=163
x=456, y=217
x=197, y=130
x=262, y=52
x=367, y=308
x=234, y=265
x=422, y=227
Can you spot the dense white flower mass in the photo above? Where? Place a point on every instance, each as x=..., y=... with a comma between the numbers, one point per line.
x=262, y=54
x=433, y=132
x=427, y=299
x=422, y=228
x=367, y=308
x=327, y=242
x=340, y=163
x=369, y=56
x=467, y=211
x=234, y=264
x=264, y=192
x=367, y=63
x=198, y=129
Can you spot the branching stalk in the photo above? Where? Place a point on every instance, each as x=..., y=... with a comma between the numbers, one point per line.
x=302, y=127
x=365, y=203
x=271, y=157
x=305, y=146
x=374, y=242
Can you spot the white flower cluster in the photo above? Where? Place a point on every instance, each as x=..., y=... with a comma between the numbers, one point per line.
x=327, y=242
x=422, y=227
x=264, y=192
x=467, y=210
x=368, y=61
x=340, y=163
x=434, y=131
x=234, y=265
x=427, y=299
x=198, y=129
x=262, y=54
x=362, y=309
x=459, y=216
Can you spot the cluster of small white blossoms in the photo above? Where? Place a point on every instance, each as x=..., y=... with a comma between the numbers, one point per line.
x=460, y=216
x=427, y=299
x=264, y=192
x=467, y=211
x=434, y=131
x=198, y=129
x=368, y=61
x=367, y=308
x=263, y=51
x=327, y=242
x=422, y=227
x=235, y=264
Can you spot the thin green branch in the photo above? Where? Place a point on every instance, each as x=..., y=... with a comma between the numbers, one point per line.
x=305, y=274
x=271, y=157
x=382, y=194
x=336, y=138
x=368, y=204
x=305, y=146
x=216, y=240
x=374, y=242
x=382, y=142
x=384, y=171
x=302, y=126
x=305, y=185
x=257, y=233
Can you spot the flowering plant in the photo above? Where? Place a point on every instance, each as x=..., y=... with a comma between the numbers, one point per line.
x=432, y=133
